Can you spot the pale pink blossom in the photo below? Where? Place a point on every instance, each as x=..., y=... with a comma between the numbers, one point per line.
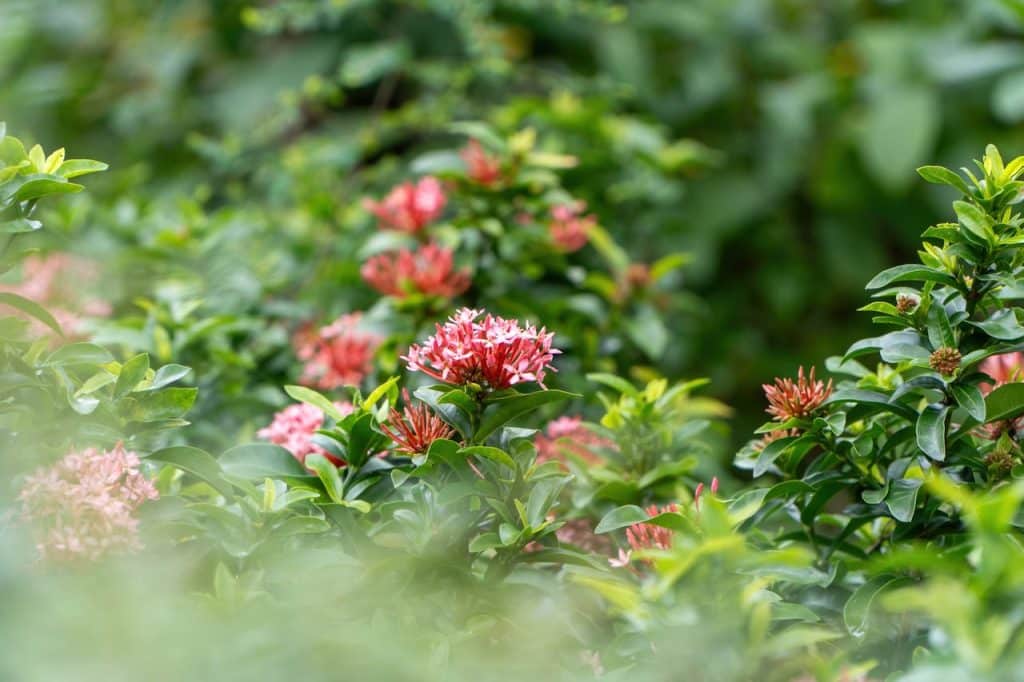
x=1006, y=368
x=569, y=228
x=430, y=271
x=788, y=399
x=649, y=536
x=59, y=282
x=410, y=207
x=340, y=354
x=493, y=353
x=481, y=167
x=568, y=436
x=84, y=505
x=293, y=429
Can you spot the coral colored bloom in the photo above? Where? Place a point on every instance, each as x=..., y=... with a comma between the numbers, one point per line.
x=790, y=400
x=57, y=281
x=649, y=536
x=415, y=428
x=1007, y=368
x=480, y=166
x=84, y=505
x=410, y=207
x=700, y=491
x=429, y=271
x=293, y=429
x=340, y=354
x=568, y=436
x=570, y=230
x=493, y=353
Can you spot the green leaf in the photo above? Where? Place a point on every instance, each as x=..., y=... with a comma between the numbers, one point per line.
x=38, y=188
x=1005, y=402
x=484, y=542
x=166, y=375
x=72, y=168
x=621, y=517
x=257, y=461
x=1002, y=325
x=612, y=381
x=648, y=331
x=167, y=403
x=898, y=132
x=311, y=397
x=975, y=220
x=132, y=372
x=328, y=474
x=858, y=606
x=494, y=454
x=770, y=453
x=911, y=273
x=970, y=398
x=501, y=411
x=940, y=331
x=79, y=354
x=931, y=431
x=19, y=226
x=902, y=498
x=197, y=462
x=30, y=308
x=378, y=393
x=943, y=176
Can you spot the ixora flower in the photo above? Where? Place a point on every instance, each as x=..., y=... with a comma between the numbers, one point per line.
x=794, y=400
x=481, y=167
x=340, y=354
x=84, y=505
x=643, y=536
x=415, y=428
x=568, y=435
x=293, y=428
x=493, y=353
x=430, y=271
x=410, y=207
x=56, y=281
x=1007, y=368
x=569, y=229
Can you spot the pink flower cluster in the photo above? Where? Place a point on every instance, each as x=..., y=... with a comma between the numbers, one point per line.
x=788, y=399
x=1007, y=368
x=340, y=354
x=568, y=436
x=410, y=207
x=84, y=505
x=493, y=352
x=293, y=429
x=481, y=167
x=430, y=271
x=56, y=281
x=569, y=228
x=643, y=536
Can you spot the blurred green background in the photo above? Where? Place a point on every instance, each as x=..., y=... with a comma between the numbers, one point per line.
x=776, y=140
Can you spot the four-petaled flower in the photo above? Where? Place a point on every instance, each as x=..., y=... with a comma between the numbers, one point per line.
x=492, y=353
x=84, y=505
x=569, y=228
x=410, y=207
x=430, y=271
x=481, y=167
x=340, y=354
x=793, y=400
x=293, y=428
x=415, y=428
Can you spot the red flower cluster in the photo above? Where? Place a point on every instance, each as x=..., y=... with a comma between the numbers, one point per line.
x=415, y=428
x=84, y=505
x=339, y=354
x=568, y=436
x=293, y=429
x=790, y=400
x=648, y=535
x=429, y=270
x=481, y=166
x=1007, y=368
x=410, y=207
x=493, y=352
x=569, y=229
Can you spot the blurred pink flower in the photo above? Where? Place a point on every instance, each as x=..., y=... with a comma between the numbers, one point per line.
x=410, y=207
x=83, y=506
x=481, y=166
x=790, y=400
x=648, y=535
x=415, y=428
x=340, y=354
x=494, y=353
x=58, y=282
x=569, y=229
x=430, y=271
x=1007, y=368
x=293, y=428
x=568, y=436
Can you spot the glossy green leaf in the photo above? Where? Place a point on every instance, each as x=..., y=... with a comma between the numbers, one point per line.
x=931, y=431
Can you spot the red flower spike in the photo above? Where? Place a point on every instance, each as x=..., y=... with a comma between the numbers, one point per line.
x=791, y=400
x=415, y=428
x=340, y=354
x=429, y=271
x=410, y=207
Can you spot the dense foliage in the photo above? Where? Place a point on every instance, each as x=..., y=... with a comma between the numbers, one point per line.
x=370, y=352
